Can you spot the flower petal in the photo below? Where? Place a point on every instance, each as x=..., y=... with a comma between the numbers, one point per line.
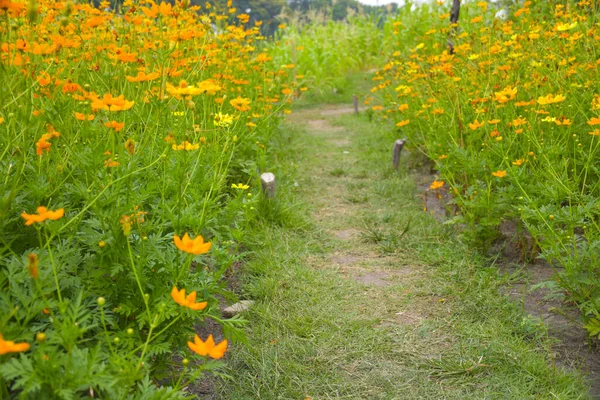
x=218, y=351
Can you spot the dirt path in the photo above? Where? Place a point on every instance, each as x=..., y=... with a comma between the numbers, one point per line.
x=339, y=195
x=377, y=300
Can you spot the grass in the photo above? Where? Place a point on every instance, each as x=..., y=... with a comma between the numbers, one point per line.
x=435, y=326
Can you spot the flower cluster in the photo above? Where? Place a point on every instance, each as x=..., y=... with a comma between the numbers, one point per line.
x=505, y=113
x=136, y=117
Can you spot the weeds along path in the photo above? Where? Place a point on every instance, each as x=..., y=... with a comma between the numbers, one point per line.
x=371, y=298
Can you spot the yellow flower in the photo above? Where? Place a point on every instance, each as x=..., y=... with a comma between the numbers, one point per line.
x=223, y=120
x=208, y=348
x=565, y=27
x=239, y=186
x=499, y=174
x=518, y=162
x=403, y=123
x=192, y=246
x=551, y=99
x=187, y=146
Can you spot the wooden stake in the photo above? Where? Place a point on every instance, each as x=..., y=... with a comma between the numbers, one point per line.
x=268, y=184
x=454, y=13
x=355, y=102
x=398, y=145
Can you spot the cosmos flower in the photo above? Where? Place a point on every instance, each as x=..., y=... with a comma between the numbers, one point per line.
x=192, y=246
x=188, y=301
x=208, y=347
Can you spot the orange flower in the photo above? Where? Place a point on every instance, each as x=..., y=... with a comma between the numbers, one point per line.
x=110, y=103
x=83, y=117
x=130, y=146
x=403, y=123
x=190, y=301
x=594, y=121
x=142, y=77
x=499, y=174
x=117, y=126
x=43, y=214
x=8, y=346
x=192, y=246
x=32, y=265
x=476, y=125
x=43, y=143
x=240, y=104
x=436, y=185
x=208, y=347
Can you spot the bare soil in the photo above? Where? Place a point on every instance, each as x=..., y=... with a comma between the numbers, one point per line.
x=572, y=347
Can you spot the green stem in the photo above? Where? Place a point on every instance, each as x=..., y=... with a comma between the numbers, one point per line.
x=54, y=271
x=137, y=279
x=106, y=330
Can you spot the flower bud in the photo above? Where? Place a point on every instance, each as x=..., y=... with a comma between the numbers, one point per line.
x=185, y=362
x=101, y=301
x=40, y=337
x=129, y=331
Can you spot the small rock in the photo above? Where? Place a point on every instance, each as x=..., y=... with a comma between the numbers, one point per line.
x=237, y=308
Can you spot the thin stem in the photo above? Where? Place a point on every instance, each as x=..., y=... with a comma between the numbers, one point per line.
x=137, y=279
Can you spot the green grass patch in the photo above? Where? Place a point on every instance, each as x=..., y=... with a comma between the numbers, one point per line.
x=440, y=326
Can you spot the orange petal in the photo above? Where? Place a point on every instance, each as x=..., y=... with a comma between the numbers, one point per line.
x=191, y=298
x=54, y=215
x=198, y=347
x=203, y=248
x=198, y=306
x=178, y=242
x=178, y=296
x=210, y=341
x=218, y=351
x=19, y=347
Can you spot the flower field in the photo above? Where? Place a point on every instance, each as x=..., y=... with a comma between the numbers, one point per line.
x=130, y=139
x=510, y=119
x=132, y=136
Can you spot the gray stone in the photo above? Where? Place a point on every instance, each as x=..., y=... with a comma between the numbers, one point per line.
x=237, y=308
